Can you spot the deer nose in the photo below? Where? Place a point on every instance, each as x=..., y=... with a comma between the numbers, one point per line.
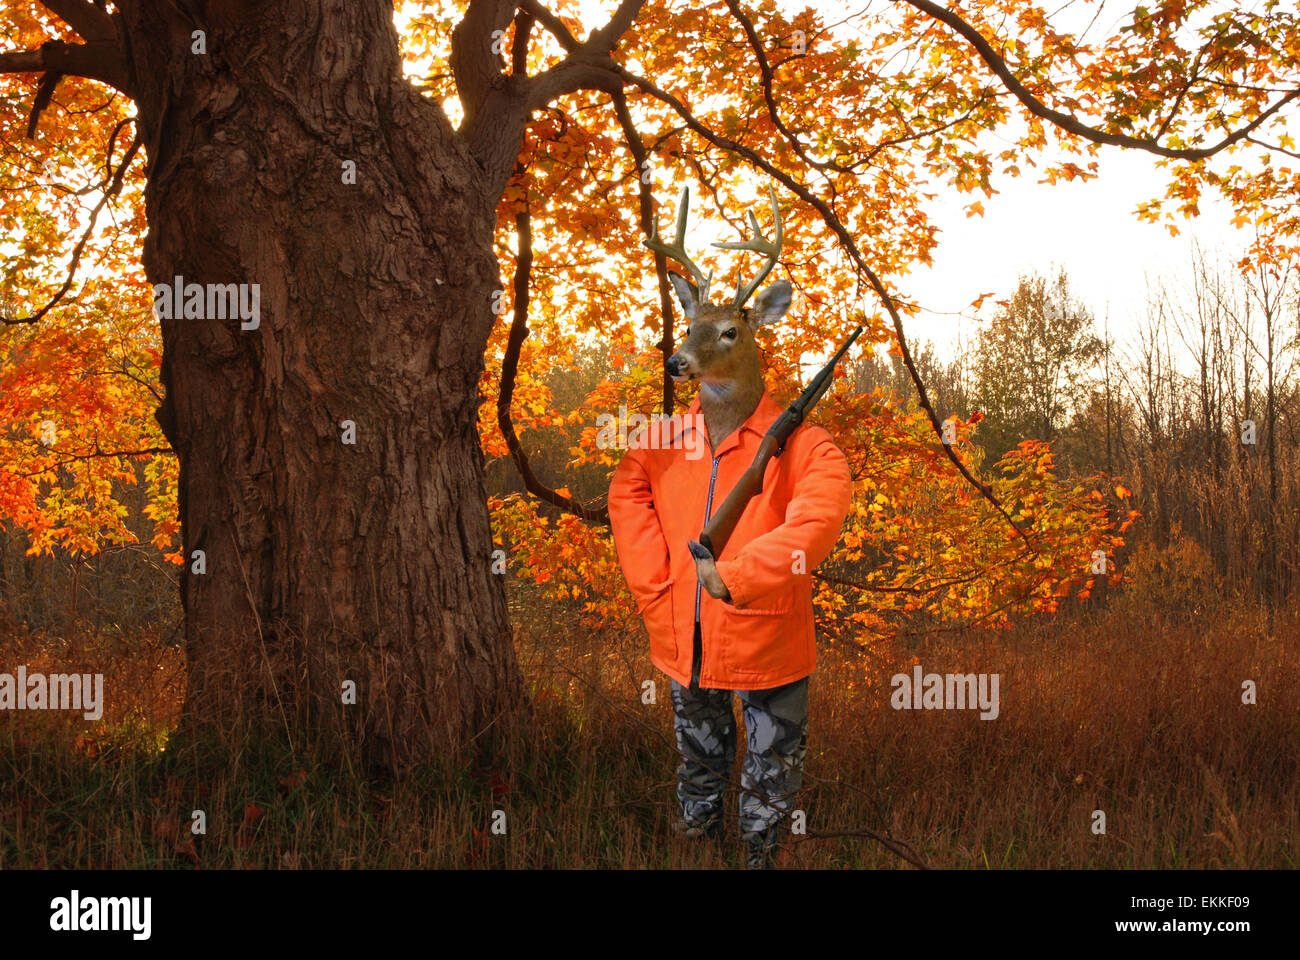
x=676, y=365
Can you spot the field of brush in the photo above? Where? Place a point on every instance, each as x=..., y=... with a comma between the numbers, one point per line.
x=1134, y=710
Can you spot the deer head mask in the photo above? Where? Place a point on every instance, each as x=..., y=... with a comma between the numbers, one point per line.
x=719, y=347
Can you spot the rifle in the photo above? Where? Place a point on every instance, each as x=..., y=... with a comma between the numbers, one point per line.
x=723, y=522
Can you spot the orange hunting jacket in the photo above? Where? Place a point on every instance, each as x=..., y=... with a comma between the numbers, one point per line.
x=659, y=498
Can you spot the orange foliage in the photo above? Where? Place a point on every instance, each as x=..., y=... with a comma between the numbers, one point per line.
x=883, y=122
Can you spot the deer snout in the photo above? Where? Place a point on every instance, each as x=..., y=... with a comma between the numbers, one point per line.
x=678, y=367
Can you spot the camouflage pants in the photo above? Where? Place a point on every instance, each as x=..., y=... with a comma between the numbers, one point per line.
x=776, y=723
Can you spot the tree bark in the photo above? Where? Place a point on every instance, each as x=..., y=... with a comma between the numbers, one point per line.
x=325, y=561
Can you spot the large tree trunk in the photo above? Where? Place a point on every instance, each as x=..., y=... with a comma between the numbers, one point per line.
x=325, y=562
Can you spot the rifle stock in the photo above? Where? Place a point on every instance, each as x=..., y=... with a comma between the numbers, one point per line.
x=723, y=522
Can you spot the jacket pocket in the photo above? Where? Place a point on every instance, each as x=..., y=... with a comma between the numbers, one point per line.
x=770, y=604
x=765, y=639
x=658, y=616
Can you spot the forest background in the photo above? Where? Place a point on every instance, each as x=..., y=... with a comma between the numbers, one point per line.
x=1111, y=522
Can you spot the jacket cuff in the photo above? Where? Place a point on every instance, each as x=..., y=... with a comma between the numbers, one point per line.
x=730, y=572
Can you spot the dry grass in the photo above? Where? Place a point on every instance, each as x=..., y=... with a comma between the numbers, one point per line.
x=1135, y=711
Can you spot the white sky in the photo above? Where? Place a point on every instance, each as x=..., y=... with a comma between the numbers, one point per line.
x=1087, y=227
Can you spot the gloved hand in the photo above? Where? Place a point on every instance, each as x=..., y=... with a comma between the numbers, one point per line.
x=707, y=571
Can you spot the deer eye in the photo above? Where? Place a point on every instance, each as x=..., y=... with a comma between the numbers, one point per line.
x=730, y=334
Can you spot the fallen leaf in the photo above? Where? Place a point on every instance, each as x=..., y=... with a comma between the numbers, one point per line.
x=252, y=813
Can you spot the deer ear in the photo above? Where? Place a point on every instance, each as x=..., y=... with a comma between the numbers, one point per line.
x=770, y=305
x=686, y=293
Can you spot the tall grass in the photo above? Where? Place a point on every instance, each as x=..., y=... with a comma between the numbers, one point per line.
x=1135, y=710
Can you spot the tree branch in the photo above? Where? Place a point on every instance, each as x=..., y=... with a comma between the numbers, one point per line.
x=88, y=20
x=100, y=61
x=475, y=66
x=554, y=25
x=1069, y=123
x=519, y=48
x=602, y=41
x=44, y=93
x=639, y=154
x=95, y=455
x=767, y=78
x=898, y=847
x=587, y=67
x=916, y=591
x=1277, y=148
x=579, y=71
x=497, y=105
x=510, y=366
x=113, y=187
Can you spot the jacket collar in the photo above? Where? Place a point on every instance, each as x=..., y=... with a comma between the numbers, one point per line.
x=758, y=422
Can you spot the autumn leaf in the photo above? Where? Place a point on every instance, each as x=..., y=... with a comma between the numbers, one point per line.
x=252, y=813
x=244, y=836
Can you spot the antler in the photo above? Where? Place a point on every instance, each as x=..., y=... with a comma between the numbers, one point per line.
x=758, y=244
x=677, y=249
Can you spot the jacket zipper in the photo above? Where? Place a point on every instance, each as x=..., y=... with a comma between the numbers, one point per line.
x=697, y=649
